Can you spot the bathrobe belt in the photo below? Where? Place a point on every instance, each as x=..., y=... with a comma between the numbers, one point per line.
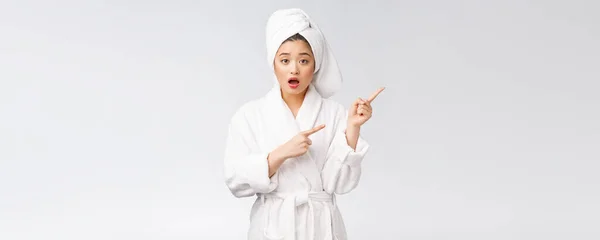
x=286, y=228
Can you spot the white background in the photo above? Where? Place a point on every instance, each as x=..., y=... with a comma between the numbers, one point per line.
x=113, y=116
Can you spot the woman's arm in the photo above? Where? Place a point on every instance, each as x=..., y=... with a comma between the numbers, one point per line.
x=247, y=171
x=352, y=135
x=296, y=146
x=342, y=169
x=275, y=159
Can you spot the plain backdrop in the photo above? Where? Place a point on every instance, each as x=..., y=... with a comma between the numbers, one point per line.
x=113, y=116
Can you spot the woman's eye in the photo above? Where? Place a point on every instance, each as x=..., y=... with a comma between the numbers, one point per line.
x=304, y=61
x=284, y=60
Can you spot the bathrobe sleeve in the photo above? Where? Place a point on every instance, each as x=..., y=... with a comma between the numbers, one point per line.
x=246, y=169
x=342, y=170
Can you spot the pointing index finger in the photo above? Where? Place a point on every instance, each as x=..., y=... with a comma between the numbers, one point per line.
x=374, y=95
x=314, y=130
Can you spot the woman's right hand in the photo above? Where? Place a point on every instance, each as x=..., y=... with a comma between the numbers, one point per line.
x=297, y=146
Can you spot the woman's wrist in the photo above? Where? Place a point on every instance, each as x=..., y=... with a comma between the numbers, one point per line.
x=352, y=134
x=274, y=160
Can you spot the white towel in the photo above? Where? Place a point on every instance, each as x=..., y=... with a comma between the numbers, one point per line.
x=283, y=24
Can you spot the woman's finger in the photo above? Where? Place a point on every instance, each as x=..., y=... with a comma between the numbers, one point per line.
x=361, y=101
x=364, y=108
x=374, y=95
x=368, y=104
x=360, y=111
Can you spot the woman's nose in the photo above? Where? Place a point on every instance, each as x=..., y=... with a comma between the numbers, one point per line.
x=294, y=69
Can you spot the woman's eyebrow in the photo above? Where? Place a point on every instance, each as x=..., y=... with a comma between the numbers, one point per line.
x=287, y=54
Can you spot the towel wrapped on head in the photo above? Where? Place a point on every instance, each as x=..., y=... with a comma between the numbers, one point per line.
x=285, y=23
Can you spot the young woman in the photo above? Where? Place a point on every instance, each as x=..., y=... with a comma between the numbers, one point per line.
x=294, y=148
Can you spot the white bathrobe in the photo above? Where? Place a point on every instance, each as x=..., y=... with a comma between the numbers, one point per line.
x=298, y=202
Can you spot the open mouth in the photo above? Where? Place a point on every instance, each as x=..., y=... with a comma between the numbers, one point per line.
x=293, y=82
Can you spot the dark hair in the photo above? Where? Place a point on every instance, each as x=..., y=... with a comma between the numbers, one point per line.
x=297, y=36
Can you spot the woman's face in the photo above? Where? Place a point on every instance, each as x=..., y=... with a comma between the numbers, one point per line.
x=294, y=66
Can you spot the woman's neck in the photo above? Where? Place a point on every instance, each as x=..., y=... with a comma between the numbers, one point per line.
x=293, y=101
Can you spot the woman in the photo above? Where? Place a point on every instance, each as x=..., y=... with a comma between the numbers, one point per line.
x=294, y=148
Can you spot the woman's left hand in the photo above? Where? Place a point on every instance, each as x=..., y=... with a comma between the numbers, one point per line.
x=361, y=110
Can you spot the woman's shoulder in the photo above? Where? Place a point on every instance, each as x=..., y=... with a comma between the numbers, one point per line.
x=247, y=109
x=333, y=105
